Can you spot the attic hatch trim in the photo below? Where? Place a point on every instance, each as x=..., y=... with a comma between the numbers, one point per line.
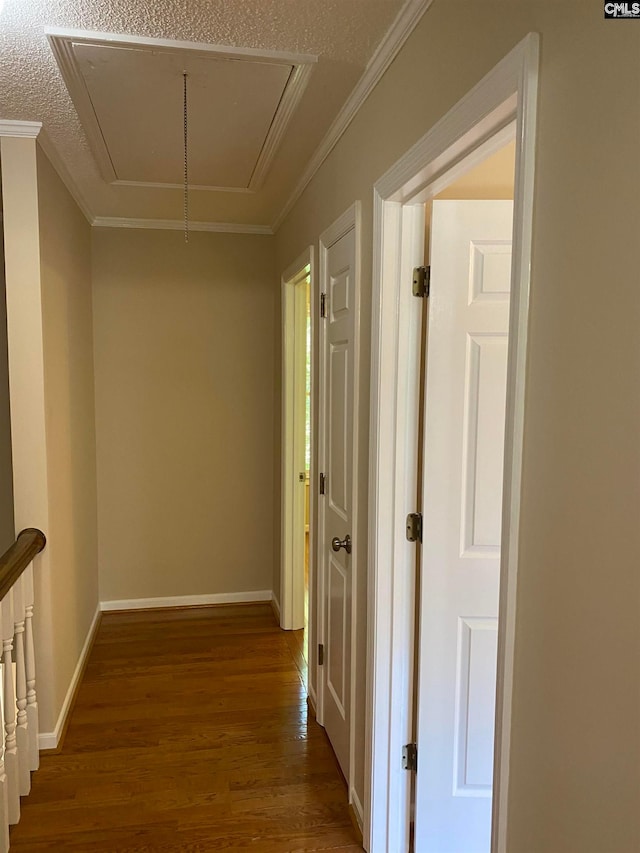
x=62, y=40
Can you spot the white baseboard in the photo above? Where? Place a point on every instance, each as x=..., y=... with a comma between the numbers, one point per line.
x=313, y=701
x=357, y=808
x=276, y=606
x=188, y=600
x=50, y=740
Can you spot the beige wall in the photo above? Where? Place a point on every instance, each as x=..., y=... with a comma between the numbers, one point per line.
x=184, y=355
x=493, y=178
x=65, y=272
x=575, y=763
x=7, y=524
x=21, y=229
x=48, y=282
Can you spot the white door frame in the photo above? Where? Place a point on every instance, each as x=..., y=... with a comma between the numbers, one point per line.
x=351, y=218
x=291, y=604
x=472, y=129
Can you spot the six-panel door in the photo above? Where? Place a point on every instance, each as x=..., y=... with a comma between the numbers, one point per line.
x=339, y=281
x=462, y=506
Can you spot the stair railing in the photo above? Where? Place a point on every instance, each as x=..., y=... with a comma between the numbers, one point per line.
x=19, y=754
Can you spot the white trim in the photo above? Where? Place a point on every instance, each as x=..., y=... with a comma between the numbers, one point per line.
x=320, y=514
x=50, y=740
x=33, y=130
x=62, y=42
x=292, y=496
x=350, y=219
x=288, y=104
x=178, y=225
x=514, y=437
x=204, y=49
x=65, y=175
x=344, y=223
x=276, y=605
x=505, y=94
x=28, y=129
x=358, y=810
x=199, y=187
x=400, y=30
x=313, y=699
x=393, y=489
x=295, y=270
x=479, y=155
x=472, y=121
x=291, y=97
x=255, y=596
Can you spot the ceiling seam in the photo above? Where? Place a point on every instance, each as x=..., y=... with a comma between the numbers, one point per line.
x=402, y=27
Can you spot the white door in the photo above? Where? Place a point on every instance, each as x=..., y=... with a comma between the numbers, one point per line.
x=338, y=272
x=462, y=508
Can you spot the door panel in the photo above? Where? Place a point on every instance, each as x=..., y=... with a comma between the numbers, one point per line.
x=337, y=624
x=484, y=444
x=466, y=366
x=339, y=282
x=338, y=440
x=475, y=706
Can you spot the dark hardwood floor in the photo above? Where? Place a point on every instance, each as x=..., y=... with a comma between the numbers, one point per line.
x=190, y=733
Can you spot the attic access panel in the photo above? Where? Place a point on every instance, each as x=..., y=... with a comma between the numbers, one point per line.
x=128, y=94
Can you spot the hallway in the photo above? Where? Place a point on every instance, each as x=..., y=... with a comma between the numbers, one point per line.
x=190, y=733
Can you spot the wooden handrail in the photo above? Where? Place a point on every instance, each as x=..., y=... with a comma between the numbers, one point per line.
x=17, y=557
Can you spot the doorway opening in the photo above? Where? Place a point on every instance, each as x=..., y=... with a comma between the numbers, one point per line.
x=297, y=528
x=461, y=420
x=500, y=110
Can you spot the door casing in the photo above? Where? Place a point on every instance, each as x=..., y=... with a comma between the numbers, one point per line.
x=291, y=604
x=501, y=105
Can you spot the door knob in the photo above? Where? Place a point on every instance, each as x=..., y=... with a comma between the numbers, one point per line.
x=345, y=543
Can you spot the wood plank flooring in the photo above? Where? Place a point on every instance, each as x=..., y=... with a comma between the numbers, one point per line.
x=190, y=733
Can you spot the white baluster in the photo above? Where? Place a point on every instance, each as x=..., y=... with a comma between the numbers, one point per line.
x=9, y=712
x=4, y=810
x=32, y=699
x=30, y=663
x=22, y=734
x=10, y=746
x=4, y=805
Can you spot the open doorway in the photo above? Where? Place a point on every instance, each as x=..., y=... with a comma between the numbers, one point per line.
x=500, y=109
x=296, y=567
x=461, y=433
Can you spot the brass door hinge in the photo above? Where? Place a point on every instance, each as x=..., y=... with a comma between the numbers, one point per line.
x=421, y=281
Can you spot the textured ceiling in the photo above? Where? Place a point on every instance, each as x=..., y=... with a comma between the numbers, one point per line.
x=343, y=33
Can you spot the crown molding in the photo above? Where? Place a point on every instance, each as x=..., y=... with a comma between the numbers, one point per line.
x=178, y=225
x=198, y=187
x=64, y=174
x=25, y=129
x=35, y=130
x=402, y=27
